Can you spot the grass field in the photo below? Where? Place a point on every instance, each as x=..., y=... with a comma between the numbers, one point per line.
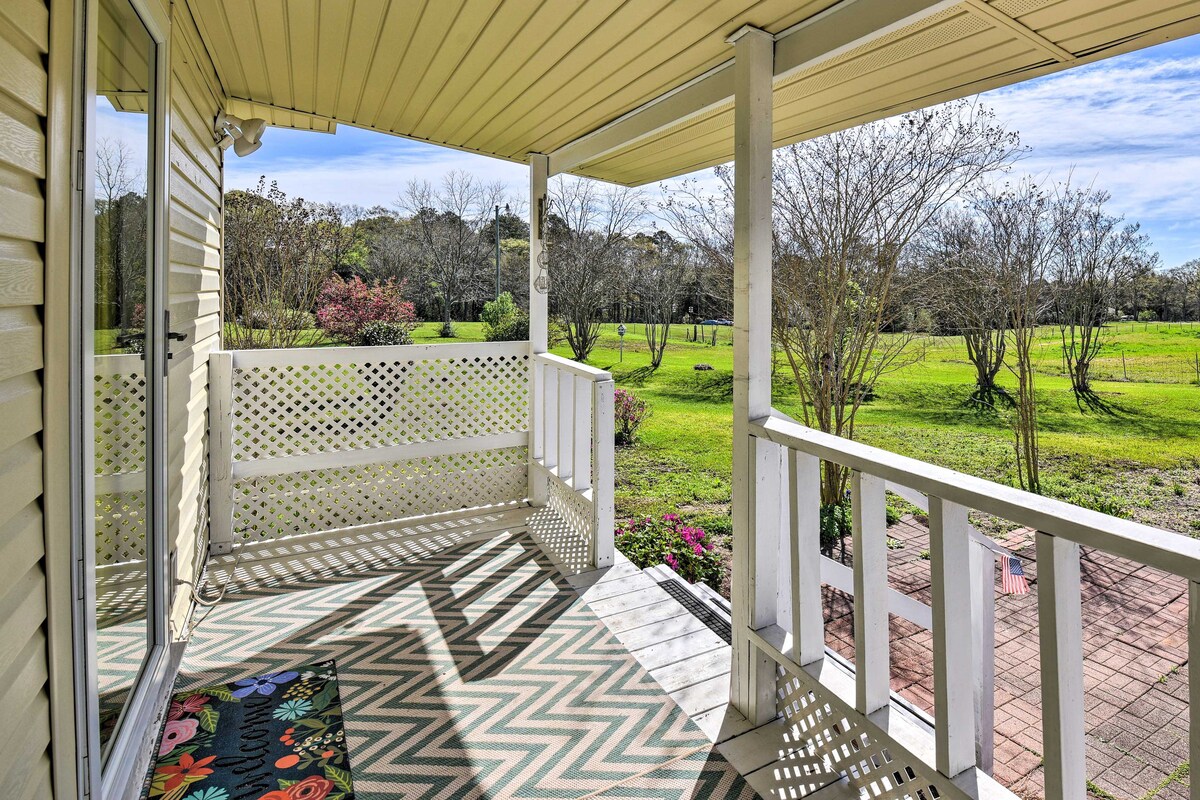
x=1139, y=456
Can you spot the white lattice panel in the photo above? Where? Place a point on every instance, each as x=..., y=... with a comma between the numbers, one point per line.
x=293, y=409
x=119, y=386
x=848, y=748
x=572, y=507
x=120, y=528
x=328, y=499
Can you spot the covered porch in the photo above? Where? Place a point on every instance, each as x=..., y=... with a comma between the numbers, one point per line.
x=439, y=519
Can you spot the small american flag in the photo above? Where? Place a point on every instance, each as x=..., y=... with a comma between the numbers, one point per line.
x=1013, y=580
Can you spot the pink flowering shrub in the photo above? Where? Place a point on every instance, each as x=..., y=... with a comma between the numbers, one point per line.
x=346, y=307
x=630, y=412
x=668, y=540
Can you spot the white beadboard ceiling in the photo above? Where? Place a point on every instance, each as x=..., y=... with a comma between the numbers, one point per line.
x=506, y=78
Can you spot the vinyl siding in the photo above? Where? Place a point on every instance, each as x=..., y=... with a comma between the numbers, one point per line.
x=194, y=288
x=25, y=770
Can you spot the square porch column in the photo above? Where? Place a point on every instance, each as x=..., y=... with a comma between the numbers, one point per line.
x=756, y=463
x=539, y=170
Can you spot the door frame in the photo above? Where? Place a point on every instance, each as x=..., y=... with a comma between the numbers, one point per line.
x=118, y=773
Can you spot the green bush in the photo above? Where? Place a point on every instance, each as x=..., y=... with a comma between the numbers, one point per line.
x=688, y=550
x=382, y=334
x=503, y=321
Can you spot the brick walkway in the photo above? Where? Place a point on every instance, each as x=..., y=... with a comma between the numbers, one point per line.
x=1135, y=670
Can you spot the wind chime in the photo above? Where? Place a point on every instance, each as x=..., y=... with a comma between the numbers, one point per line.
x=542, y=282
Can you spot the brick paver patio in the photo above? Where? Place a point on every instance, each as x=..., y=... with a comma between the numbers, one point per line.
x=1135, y=668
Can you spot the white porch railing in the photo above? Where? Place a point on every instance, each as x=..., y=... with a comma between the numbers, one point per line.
x=319, y=439
x=572, y=447
x=860, y=701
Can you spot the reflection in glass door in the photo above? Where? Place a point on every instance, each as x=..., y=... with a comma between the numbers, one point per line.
x=121, y=274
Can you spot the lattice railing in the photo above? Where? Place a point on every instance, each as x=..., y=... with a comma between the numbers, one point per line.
x=119, y=392
x=312, y=440
x=572, y=449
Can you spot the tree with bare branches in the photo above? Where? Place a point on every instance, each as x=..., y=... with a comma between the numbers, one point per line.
x=658, y=273
x=1019, y=235
x=587, y=233
x=1095, y=257
x=847, y=205
x=278, y=253
x=120, y=237
x=962, y=281
x=448, y=224
x=704, y=218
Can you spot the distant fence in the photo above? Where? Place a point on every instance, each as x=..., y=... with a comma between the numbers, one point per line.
x=1118, y=361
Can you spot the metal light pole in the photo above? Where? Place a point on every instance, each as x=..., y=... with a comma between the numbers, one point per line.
x=498, y=247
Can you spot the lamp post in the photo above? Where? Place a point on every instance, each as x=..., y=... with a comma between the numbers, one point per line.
x=506, y=211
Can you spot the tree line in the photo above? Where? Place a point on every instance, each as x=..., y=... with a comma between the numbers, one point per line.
x=895, y=228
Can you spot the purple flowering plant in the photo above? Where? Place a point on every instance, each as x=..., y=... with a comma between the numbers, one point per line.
x=630, y=411
x=668, y=540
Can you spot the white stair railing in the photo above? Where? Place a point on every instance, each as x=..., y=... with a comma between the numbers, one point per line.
x=573, y=447
x=949, y=761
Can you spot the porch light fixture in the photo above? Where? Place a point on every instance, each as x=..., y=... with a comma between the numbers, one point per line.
x=244, y=135
x=542, y=281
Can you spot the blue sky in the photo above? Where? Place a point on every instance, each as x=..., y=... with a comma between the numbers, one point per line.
x=1130, y=124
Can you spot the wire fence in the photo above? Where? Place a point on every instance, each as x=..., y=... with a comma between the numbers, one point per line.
x=1127, y=353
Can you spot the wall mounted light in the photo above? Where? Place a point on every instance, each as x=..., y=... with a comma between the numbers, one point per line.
x=244, y=135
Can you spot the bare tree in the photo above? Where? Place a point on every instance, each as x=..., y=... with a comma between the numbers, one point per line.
x=963, y=282
x=277, y=257
x=659, y=271
x=588, y=231
x=846, y=207
x=1095, y=256
x=448, y=224
x=1018, y=231
x=704, y=218
x=121, y=236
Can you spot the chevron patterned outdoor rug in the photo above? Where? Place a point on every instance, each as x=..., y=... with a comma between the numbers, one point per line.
x=275, y=736
x=467, y=670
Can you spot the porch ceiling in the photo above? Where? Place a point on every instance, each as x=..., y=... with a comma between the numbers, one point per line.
x=507, y=78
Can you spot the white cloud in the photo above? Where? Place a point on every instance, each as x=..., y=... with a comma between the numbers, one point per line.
x=1131, y=124
x=372, y=177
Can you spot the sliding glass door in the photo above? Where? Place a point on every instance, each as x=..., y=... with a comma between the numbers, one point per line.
x=121, y=386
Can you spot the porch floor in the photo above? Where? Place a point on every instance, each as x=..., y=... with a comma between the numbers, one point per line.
x=476, y=660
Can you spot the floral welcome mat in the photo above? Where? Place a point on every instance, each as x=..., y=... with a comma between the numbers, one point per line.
x=277, y=736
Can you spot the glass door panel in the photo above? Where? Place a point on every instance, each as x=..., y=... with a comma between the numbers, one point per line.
x=122, y=267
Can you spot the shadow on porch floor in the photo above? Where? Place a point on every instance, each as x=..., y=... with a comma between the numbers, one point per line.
x=469, y=667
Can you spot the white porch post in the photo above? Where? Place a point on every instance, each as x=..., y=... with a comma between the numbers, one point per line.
x=756, y=479
x=538, y=331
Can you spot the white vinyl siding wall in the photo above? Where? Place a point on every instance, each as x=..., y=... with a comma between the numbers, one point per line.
x=25, y=770
x=195, y=301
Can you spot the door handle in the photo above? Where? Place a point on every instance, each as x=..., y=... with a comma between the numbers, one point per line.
x=172, y=336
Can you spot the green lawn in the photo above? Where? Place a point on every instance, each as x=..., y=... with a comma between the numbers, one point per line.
x=1138, y=455
x=923, y=410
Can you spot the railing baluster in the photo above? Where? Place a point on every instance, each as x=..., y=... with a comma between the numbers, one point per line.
x=1060, y=632
x=538, y=411
x=872, y=669
x=220, y=454
x=804, y=516
x=983, y=653
x=1194, y=681
x=566, y=426
x=949, y=561
x=603, y=472
x=550, y=404
x=581, y=472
